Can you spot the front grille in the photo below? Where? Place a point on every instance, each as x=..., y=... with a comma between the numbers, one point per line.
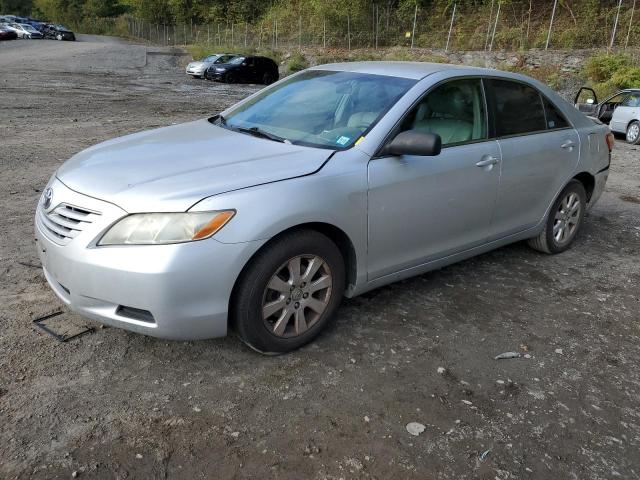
x=65, y=222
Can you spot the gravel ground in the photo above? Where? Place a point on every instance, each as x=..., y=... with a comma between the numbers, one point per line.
x=118, y=405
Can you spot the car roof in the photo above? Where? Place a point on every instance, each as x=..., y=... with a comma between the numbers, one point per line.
x=413, y=70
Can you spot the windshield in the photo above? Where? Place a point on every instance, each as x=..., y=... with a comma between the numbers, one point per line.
x=62, y=27
x=237, y=60
x=210, y=58
x=321, y=108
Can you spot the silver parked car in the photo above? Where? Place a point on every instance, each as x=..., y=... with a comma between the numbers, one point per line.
x=621, y=111
x=25, y=31
x=198, y=68
x=333, y=181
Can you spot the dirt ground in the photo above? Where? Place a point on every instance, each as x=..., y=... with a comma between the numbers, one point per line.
x=114, y=404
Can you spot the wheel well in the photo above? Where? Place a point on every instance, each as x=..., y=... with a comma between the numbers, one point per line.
x=588, y=181
x=338, y=236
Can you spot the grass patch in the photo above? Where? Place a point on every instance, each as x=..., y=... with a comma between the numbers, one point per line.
x=296, y=62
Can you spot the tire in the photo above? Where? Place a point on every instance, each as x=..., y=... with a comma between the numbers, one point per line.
x=267, y=79
x=633, y=133
x=278, y=320
x=230, y=78
x=563, y=221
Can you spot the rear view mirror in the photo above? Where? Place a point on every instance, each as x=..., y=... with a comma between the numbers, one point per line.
x=412, y=142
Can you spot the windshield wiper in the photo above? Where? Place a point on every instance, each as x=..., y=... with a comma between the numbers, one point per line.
x=257, y=132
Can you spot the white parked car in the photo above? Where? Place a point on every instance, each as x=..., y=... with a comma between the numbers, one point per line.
x=620, y=111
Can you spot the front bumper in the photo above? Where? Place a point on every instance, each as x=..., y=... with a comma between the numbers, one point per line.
x=199, y=72
x=178, y=292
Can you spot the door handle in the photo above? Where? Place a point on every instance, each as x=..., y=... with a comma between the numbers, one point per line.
x=568, y=145
x=487, y=161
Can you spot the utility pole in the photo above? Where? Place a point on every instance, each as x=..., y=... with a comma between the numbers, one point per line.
x=453, y=15
x=324, y=33
x=633, y=8
x=495, y=26
x=413, y=31
x=553, y=14
x=486, y=42
x=615, y=26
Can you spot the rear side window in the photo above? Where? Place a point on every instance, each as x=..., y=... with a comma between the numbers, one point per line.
x=555, y=119
x=518, y=108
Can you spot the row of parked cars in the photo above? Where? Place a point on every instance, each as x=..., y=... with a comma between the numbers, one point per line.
x=12, y=27
x=233, y=68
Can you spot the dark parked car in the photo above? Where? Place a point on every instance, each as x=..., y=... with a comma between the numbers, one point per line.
x=245, y=69
x=6, y=34
x=59, y=32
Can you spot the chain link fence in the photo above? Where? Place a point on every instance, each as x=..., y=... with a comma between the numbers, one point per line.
x=460, y=28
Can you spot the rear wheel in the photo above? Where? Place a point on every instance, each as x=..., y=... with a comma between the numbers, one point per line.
x=564, y=220
x=289, y=292
x=633, y=133
x=267, y=79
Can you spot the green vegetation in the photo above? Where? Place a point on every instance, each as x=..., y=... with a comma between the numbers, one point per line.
x=296, y=62
x=610, y=72
x=521, y=24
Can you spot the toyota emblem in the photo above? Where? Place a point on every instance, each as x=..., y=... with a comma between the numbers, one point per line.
x=46, y=197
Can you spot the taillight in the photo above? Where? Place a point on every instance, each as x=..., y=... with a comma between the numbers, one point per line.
x=610, y=141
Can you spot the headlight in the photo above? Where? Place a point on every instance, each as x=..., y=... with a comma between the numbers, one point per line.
x=164, y=228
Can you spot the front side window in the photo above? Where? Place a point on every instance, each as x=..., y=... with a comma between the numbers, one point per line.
x=632, y=100
x=223, y=59
x=327, y=109
x=518, y=108
x=455, y=111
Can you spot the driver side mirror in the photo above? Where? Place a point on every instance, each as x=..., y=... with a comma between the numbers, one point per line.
x=244, y=64
x=411, y=142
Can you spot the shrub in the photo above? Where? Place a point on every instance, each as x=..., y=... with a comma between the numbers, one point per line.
x=602, y=67
x=297, y=61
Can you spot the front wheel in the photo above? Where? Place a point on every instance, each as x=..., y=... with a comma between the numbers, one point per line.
x=633, y=133
x=288, y=292
x=564, y=220
x=230, y=78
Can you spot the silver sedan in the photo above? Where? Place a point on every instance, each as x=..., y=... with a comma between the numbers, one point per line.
x=334, y=181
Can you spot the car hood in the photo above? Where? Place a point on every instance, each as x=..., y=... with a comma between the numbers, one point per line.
x=172, y=168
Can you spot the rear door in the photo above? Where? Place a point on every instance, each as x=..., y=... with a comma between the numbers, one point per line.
x=540, y=150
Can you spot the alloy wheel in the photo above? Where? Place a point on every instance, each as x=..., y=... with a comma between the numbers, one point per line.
x=633, y=132
x=297, y=295
x=567, y=218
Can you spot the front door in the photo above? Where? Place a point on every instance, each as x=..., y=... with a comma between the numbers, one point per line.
x=424, y=208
